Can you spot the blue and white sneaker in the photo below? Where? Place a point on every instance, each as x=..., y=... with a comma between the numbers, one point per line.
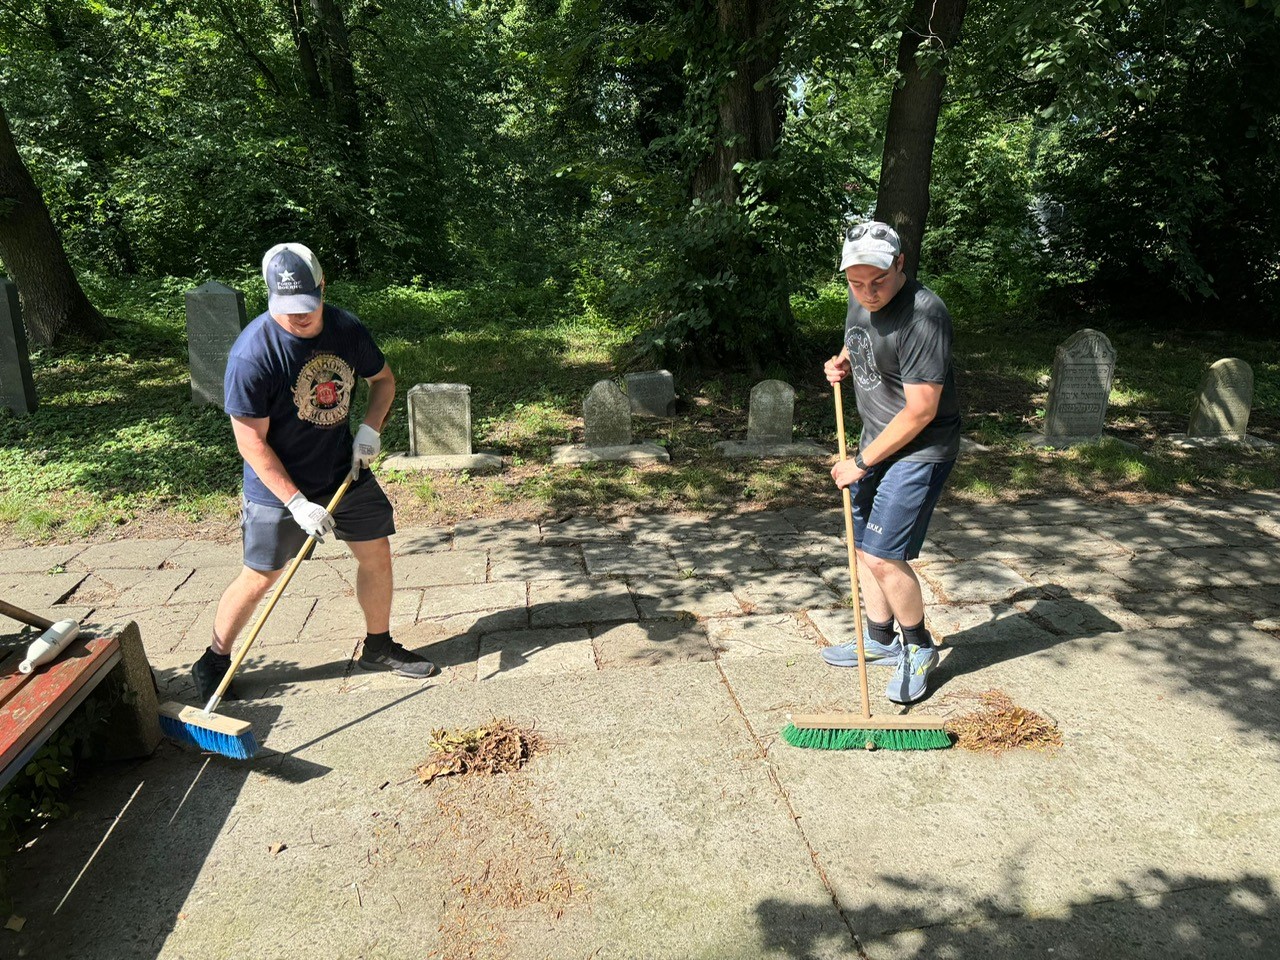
x=846, y=654
x=912, y=676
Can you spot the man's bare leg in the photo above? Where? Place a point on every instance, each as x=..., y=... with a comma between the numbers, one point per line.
x=374, y=582
x=890, y=590
x=238, y=602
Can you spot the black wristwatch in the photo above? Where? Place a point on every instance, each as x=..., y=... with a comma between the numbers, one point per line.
x=858, y=461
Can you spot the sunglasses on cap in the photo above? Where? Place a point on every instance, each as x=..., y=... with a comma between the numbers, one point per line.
x=878, y=231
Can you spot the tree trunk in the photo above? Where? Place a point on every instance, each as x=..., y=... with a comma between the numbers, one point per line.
x=903, y=198
x=750, y=109
x=53, y=302
x=306, y=53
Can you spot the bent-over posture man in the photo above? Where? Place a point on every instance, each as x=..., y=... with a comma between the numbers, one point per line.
x=897, y=348
x=288, y=388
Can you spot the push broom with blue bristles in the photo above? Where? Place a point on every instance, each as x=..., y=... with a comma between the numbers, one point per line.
x=852, y=731
x=205, y=729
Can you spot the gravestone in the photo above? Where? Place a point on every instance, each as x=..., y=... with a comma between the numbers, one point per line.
x=439, y=419
x=606, y=417
x=1076, y=412
x=652, y=393
x=770, y=424
x=440, y=431
x=17, y=388
x=1224, y=403
x=215, y=317
x=772, y=411
x=1220, y=416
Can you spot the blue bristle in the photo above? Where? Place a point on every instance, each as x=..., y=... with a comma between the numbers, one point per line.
x=242, y=747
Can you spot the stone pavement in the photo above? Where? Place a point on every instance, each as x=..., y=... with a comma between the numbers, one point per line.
x=661, y=655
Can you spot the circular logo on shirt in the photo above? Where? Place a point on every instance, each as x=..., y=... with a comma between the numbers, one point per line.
x=322, y=392
x=862, y=358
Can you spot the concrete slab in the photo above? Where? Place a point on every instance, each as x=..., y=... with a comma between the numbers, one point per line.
x=283, y=626
x=627, y=560
x=144, y=554
x=484, y=534
x=44, y=559
x=780, y=634
x=439, y=602
x=197, y=554
x=580, y=530
x=978, y=581
x=204, y=585
x=649, y=644
x=806, y=550
x=541, y=652
x=783, y=591
x=536, y=561
x=34, y=592
x=421, y=540
x=720, y=558
x=664, y=599
x=437, y=569
x=554, y=603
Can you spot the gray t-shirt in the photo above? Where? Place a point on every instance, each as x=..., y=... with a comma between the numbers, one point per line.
x=907, y=341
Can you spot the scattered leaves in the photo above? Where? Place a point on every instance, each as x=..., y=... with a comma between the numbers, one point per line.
x=498, y=747
x=16, y=923
x=276, y=848
x=1000, y=724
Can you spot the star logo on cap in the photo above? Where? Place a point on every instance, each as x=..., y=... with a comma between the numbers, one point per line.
x=286, y=276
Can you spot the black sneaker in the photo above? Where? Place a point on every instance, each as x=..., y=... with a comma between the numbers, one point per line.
x=208, y=672
x=397, y=659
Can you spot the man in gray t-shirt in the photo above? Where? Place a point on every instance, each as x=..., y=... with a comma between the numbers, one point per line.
x=897, y=351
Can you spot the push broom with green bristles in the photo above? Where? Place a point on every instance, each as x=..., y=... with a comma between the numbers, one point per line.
x=852, y=731
x=207, y=730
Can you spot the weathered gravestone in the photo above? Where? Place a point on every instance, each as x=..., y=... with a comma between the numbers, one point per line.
x=1076, y=412
x=652, y=393
x=1224, y=403
x=606, y=417
x=1221, y=412
x=440, y=431
x=770, y=424
x=17, y=388
x=215, y=317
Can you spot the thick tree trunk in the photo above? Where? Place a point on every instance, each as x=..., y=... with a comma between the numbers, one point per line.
x=53, y=302
x=903, y=199
x=306, y=53
x=750, y=110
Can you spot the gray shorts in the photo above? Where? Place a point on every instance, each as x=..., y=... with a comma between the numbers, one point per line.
x=272, y=537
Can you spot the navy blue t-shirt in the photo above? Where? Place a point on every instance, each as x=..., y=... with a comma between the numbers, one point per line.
x=304, y=385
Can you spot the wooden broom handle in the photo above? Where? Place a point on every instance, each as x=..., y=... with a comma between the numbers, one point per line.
x=23, y=616
x=271, y=604
x=853, y=560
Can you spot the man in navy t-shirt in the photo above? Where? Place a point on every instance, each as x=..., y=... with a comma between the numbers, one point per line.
x=897, y=351
x=288, y=387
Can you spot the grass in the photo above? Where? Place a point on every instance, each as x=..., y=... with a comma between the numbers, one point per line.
x=116, y=441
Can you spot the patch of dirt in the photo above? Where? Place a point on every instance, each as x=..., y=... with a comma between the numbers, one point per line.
x=1000, y=725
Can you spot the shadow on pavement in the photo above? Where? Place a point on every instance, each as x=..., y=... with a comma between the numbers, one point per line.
x=1186, y=916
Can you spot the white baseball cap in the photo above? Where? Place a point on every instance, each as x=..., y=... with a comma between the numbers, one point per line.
x=871, y=243
x=293, y=277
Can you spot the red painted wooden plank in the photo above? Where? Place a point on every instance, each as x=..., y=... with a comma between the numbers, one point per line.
x=28, y=708
x=10, y=678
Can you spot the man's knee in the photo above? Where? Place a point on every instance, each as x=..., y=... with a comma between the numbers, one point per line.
x=881, y=568
x=255, y=583
x=373, y=556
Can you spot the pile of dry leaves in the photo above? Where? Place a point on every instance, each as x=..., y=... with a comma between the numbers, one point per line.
x=498, y=747
x=1000, y=724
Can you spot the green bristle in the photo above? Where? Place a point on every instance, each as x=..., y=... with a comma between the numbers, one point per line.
x=242, y=747
x=823, y=739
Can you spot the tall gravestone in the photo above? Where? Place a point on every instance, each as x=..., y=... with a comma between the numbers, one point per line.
x=606, y=418
x=439, y=419
x=440, y=431
x=652, y=393
x=770, y=424
x=1225, y=400
x=215, y=317
x=771, y=415
x=17, y=387
x=1076, y=411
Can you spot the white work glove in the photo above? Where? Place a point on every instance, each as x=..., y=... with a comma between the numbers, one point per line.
x=314, y=519
x=367, y=444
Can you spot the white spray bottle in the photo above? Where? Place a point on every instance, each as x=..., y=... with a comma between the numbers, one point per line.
x=49, y=644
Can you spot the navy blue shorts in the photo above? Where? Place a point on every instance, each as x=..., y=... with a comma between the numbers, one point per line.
x=892, y=506
x=272, y=537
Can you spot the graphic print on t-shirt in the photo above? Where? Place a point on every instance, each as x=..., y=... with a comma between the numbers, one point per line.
x=322, y=392
x=862, y=359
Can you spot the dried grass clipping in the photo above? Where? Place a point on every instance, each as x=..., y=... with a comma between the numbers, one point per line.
x=1000, y=724
x=498, y=747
